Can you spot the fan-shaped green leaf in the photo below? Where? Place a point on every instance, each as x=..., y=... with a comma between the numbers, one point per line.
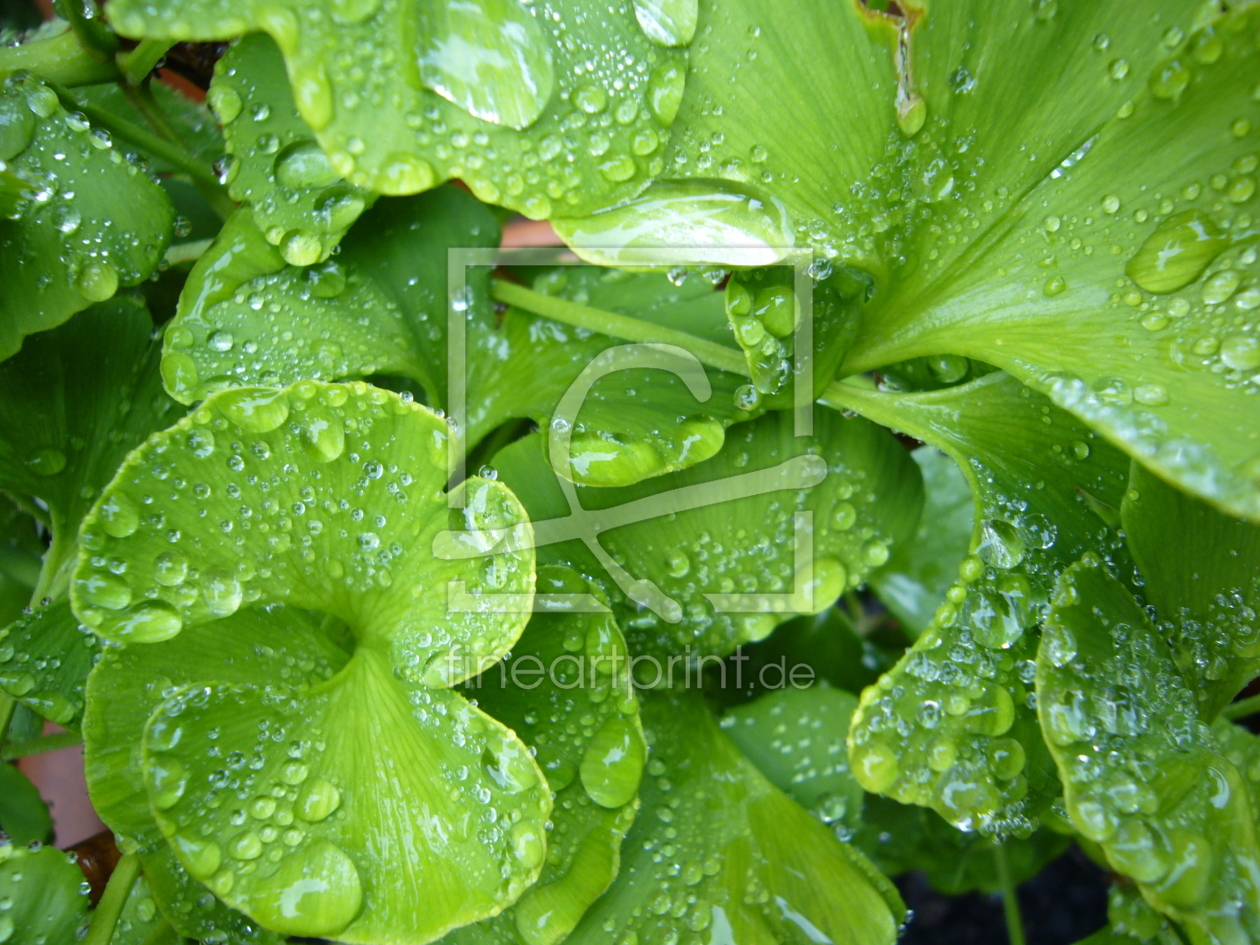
x=251, y=647
x=140, y=922
x=45, y=658
x=1142, y=775
x=951, y=726
x=718, y=851
x=78, y=219
x=914, y=581
x=24, y=816
x=1202, y=576
x=72, y=403
x=327, y=497
x=560, y=110
x=300, y=203
x=796, y=738
x=705, y=559
x=43, y=888
x=566, y=690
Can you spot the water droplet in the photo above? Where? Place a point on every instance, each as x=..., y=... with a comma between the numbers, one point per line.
x=315, y=892
x=1241, y=352
x=1176, y=253
x=252, y=409
x=1169, y=80
x=668, y=22
x=612, y=763
x=1001, y=545
x=225, y=101
x=1218, y=287
x=47, y=461
x=665, y=91
x=317, y=800
x=323, y=436
x=97, y=281
x=222, y=593
x=168, y=779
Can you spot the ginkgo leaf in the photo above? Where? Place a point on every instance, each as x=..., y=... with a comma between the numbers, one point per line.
x=24, y=816
x=719, y=851
x=79, y=220
x=919, y=572
x=379, y=307
x=703, y=560
x=140, y=921
x=43, y=890
x=72, y=403
x=327, y=498
x=566, y=690
x=124, y=689
x=300, y=203
x=1142, y=774
x=952, y=727
x=45, y=658
x=1202, y=576
x=556, y=111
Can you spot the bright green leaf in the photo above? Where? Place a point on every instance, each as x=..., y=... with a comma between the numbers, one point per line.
x=327, y=497
x=914, y=581
x=566, y=690
x=43, y=889
x=556, y=111
x=79, y=220
x=1142, y=774
x=300, y=203
x=129, y=683
x=45, y=657
x=719, y=851
x=951, y=726
x=796, y=738
x=72, y=403
x=1202, y=576
x=24, y=816
x=702, y=560
x=379, y=307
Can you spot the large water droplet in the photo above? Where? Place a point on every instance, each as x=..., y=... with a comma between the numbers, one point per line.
x=612, y=763
x=1176, y=253
x=315, y=892
x=668, y=22
x=254, y=410
x=47, y=461
x=303, y=165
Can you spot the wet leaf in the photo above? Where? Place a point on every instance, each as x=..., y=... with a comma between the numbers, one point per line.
x=1142, y=774
x=300, y=203
x=45, y=657
x=332, y=496
x=796, y=738
x=72, y=403
x=546, y=112
x=79, y=220
x=701, y=561
x=24, y=816
x=1202, y=576
x=129, y=683
x=952, y=727
x=42, y=887
x=719, y=851
x=380, y=306
x=566, y=690
x=195, y=126
x=914, y=581
x=140, y=921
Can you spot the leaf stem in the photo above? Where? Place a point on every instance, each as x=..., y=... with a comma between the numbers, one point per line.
x=40, y=746
x=105, y=916
x=179, y=253
x=136, y=64
x=60, y=59
x=618, y=326
x=99, y=41
x=198, y=170
x=1242, y=708
x=1010, y=899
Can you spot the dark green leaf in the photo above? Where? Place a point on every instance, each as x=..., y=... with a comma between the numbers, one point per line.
x=46, y=894
x=45, y=657
x=24, y=816
x=79, y=220
x=191, y=121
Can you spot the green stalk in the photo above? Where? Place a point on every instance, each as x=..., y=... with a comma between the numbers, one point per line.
x=198, y=170
x=98, y=40
x=1242, y=708
x=105, y=916
x=179, y=253
x=40, y=746
x=1010, y=901
x=619, y=326
x=61, y=59
x=136, y=64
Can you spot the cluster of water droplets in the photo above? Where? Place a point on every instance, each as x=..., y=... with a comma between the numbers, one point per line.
x=43, y=897
x=53, y=168
x=44, y=658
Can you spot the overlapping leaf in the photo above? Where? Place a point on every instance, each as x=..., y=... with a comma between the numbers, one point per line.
x=722, y=854
x=45, y=657
x=300, y=203
x=566, y=689
x=327, y=498
x=705, y=559
x=555, y=109
x=1142, y=774
x=1202, y=577
x=78, y=220
x=43, y=890
x=952, y=727
x=24, y=816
